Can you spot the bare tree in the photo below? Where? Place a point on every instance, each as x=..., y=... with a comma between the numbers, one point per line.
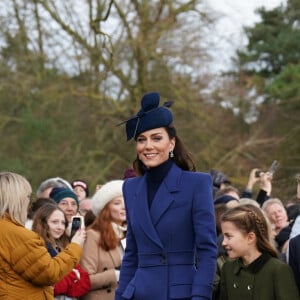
x=118, y=44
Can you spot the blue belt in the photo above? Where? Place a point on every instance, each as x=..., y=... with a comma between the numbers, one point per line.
x=166, y=258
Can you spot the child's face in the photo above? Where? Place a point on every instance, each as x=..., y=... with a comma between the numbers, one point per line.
x=57, y=224
x=80, y=192
x=235, y=241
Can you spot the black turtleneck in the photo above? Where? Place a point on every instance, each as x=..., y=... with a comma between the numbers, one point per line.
x=154, y=177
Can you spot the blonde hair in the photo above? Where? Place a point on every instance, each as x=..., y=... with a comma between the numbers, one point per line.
x=14, y=189
x=244, y=201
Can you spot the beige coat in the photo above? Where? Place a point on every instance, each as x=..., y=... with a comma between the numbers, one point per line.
x=100, y=264
x=27, y=271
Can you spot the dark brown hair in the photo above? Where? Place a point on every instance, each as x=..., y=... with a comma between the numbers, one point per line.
x=219, y=210
x=249, y=218
x=38, y=203
x=182, y=158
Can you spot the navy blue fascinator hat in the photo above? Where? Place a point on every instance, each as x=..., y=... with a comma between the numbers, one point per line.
x=150, y=116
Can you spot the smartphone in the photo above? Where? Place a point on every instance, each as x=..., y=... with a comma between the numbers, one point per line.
x=77, y=223
x=271, y=170
x=273, y=167
x=257, y=173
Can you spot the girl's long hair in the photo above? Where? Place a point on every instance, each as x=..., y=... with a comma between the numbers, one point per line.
x=249, y=218
x=40, y=225
x=182, y=158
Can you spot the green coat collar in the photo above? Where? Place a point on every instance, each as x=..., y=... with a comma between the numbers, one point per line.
x=254, y=267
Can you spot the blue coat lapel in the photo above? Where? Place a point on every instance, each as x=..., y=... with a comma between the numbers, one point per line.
x=142, y=212
x=165, y=194
x=161, y=202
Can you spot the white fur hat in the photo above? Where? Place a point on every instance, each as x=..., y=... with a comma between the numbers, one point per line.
x=105, y=194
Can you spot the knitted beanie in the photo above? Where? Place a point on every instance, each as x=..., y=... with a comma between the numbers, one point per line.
x=105, y=194
x=59, y=193
x=82, y=184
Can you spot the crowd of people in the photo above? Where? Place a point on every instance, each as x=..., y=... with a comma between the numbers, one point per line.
x=258, y=238
x=161, y=231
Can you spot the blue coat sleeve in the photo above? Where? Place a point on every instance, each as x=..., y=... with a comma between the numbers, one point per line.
x=130, y=260
x=205, y=236
x=294, y=259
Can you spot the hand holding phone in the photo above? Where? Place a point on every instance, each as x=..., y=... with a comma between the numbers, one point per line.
x=77, y=223
x=271, y=170
x=78, y=234
x=79, y=237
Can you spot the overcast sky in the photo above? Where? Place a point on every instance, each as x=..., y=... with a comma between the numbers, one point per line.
x=233, y=15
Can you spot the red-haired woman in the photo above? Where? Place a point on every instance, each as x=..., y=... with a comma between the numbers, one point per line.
x=103, y=249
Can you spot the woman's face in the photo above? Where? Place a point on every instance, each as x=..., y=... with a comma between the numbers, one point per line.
x=56, y=223
x=117, y=210
x=69, y=206
x=277, y=215
x=153, y=146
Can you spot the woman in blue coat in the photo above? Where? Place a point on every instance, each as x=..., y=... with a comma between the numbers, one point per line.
x=171, y=241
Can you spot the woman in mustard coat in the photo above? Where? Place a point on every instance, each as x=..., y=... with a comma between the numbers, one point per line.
x=171, y=240
x=27, y=271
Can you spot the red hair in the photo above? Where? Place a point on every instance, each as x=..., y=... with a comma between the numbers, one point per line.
x=102, y=223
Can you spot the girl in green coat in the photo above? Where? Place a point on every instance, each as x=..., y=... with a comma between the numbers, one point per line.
x=254, y=272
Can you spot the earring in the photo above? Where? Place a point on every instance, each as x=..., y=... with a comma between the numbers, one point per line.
x=171, y=154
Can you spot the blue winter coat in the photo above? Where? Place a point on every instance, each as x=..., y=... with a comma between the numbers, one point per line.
x=171, y=249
